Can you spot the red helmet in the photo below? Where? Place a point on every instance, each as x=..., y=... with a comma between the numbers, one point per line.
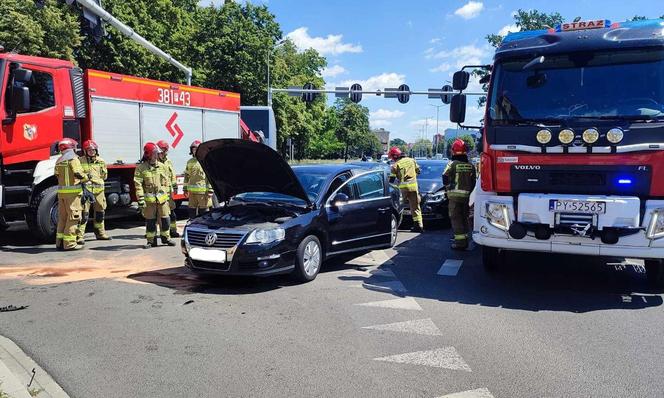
x=193, y=145
x=459, y=147
x=89, y=144
x=394, y=153
x=163, y=145
x=149, y=149
x=67, y=143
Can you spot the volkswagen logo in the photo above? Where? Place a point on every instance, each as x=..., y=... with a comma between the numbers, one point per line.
x=210, y=238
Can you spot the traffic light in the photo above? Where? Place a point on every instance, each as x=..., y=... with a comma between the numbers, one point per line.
x=96, y=29
x=309, y=97
x=356, y=93
x=404, y=97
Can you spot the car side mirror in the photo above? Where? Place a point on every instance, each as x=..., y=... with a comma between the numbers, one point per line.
x=21, y=75
x=339, y=199
x=458, y=108
x=20, y=101
x=460, y=80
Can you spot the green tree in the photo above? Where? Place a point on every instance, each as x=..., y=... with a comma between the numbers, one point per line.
x=422, y=148
x=49, y=31
x=401, y=144
x=353, y=127
x=467, y=138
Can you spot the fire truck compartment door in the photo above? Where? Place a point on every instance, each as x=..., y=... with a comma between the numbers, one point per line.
x=220, y=124
x=116, y=129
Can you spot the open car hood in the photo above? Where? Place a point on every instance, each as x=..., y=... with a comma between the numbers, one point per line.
x=237, y=166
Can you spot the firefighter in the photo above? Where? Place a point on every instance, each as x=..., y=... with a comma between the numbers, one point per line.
x=406, y=170
x=70, y=177
x=95, y=169
x=196, y=186
x=459, y=178
x=153, y=187
x=163, y=157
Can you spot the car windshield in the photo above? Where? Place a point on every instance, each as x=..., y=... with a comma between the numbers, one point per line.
x=312, y=182
x=580, y=85
x=431, y=170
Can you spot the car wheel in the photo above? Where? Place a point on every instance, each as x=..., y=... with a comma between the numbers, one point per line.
x=394, y=230
x=493, y=258
x=309, y=259
x=655, y=272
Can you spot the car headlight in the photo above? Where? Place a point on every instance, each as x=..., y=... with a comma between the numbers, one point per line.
x=265, y=236
x=543, y=136
x=590, y=136
x=498, y=215
x=656, y=227
x=436, y=197
x=566, y=136
x=615, y=135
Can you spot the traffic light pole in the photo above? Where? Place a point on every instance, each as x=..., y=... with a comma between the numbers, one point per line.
x=96, y=9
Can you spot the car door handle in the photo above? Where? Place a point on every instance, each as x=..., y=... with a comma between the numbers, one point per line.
x=383, y=209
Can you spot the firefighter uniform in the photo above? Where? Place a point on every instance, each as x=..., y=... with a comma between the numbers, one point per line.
x=174, y=186
x=96, y=171
x=153, y=190
x=197, y=187
x=406, y=170
x=459, y=177
x=70, y=176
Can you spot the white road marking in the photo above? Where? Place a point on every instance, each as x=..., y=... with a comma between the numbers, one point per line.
x=478, y=393
x=389, y=286
x=419, y=326
x=382, y=272
x=450, y=267
x=446, y=358
x=406, y=303
x=381, y=257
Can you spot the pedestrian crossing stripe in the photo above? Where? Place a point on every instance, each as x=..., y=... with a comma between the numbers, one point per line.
x=419, y=326
x=478, y=393
x=445, y=358
x=406, y=303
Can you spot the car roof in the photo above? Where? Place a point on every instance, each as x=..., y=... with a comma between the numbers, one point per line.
x=433, y=161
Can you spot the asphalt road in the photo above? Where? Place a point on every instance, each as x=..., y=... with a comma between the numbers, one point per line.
x=118, y=320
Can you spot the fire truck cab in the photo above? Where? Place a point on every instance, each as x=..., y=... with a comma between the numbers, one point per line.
x=573, y=144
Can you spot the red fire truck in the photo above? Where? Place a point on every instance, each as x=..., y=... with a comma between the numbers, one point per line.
x=573, y=143
x=44, y=100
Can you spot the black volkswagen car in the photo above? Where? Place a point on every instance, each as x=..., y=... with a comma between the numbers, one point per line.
x=430, y=184
x=277, y=219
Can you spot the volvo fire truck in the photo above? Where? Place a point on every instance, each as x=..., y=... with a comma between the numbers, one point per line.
x=43, y=100
x=573, y=143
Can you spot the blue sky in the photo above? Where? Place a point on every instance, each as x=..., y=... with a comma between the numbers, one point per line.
x=383, y=43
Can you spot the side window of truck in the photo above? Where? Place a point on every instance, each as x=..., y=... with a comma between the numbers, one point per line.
x=42, y=93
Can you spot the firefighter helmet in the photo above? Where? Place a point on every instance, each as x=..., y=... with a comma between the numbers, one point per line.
x=67, y=143
x=193, y=145
x=459, y=147
x=90, y=144
x=163, y=145
x=149, y=149
x=394, y=153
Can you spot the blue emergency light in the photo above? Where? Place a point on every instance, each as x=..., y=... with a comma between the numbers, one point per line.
x=624, y=181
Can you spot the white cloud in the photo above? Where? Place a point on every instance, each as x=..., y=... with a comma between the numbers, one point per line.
x=470, y=10
x=330, y=45
x=379, y=123
x=441, y=68
x=464, y=55
x=386, y=114
x=378, y=82
x=333, y=71
x=507, y=29
x=434, y=40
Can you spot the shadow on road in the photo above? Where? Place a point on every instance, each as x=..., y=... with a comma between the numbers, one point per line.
x=529, y=281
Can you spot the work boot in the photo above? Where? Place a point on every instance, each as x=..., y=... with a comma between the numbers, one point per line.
x=460, y=245
x=175, y=233
x=417, y=228
x=167, y=241
x=77, y=247
x=102, y=236
x=80, y=242
x=150, y=244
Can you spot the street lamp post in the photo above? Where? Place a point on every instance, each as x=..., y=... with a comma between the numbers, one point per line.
x=437, y=113
x=269, y=90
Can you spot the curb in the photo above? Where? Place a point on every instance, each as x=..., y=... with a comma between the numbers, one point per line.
x=16, y=371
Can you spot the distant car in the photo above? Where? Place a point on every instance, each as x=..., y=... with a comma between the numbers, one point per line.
x=384, y=158
x=277, y=219
x=433, y=198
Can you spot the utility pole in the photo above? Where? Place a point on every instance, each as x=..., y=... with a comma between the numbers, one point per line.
x=437, y=114
x=269, y=90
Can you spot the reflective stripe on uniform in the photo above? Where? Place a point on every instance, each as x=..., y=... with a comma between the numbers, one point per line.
x=411, y=184
x=59, y=235
x=460, y=237
x=197, y=188
x=97, y=188
x=69, y=238
x=458, y=193
x=70, y=189
x=152, y=198
x=150, y=235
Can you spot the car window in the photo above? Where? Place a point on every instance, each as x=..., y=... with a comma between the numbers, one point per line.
x=42, y=93
x=370, y=186
x=336, y=183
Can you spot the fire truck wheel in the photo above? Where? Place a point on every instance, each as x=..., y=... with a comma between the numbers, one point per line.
x=655, y=272
x=493, y=258
x=42, y=217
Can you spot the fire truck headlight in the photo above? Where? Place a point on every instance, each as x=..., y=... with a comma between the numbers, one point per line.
x=590, y=136
x=566, y=136
x=614, y=136
x=544, y=136
x=656, y=227
x=498, y=215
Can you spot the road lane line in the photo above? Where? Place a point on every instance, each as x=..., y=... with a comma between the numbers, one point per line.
x=419, y=326
x=450, y=267
x=478, y=393
x=406, y=303
x=445, y=358
x=389, y=286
